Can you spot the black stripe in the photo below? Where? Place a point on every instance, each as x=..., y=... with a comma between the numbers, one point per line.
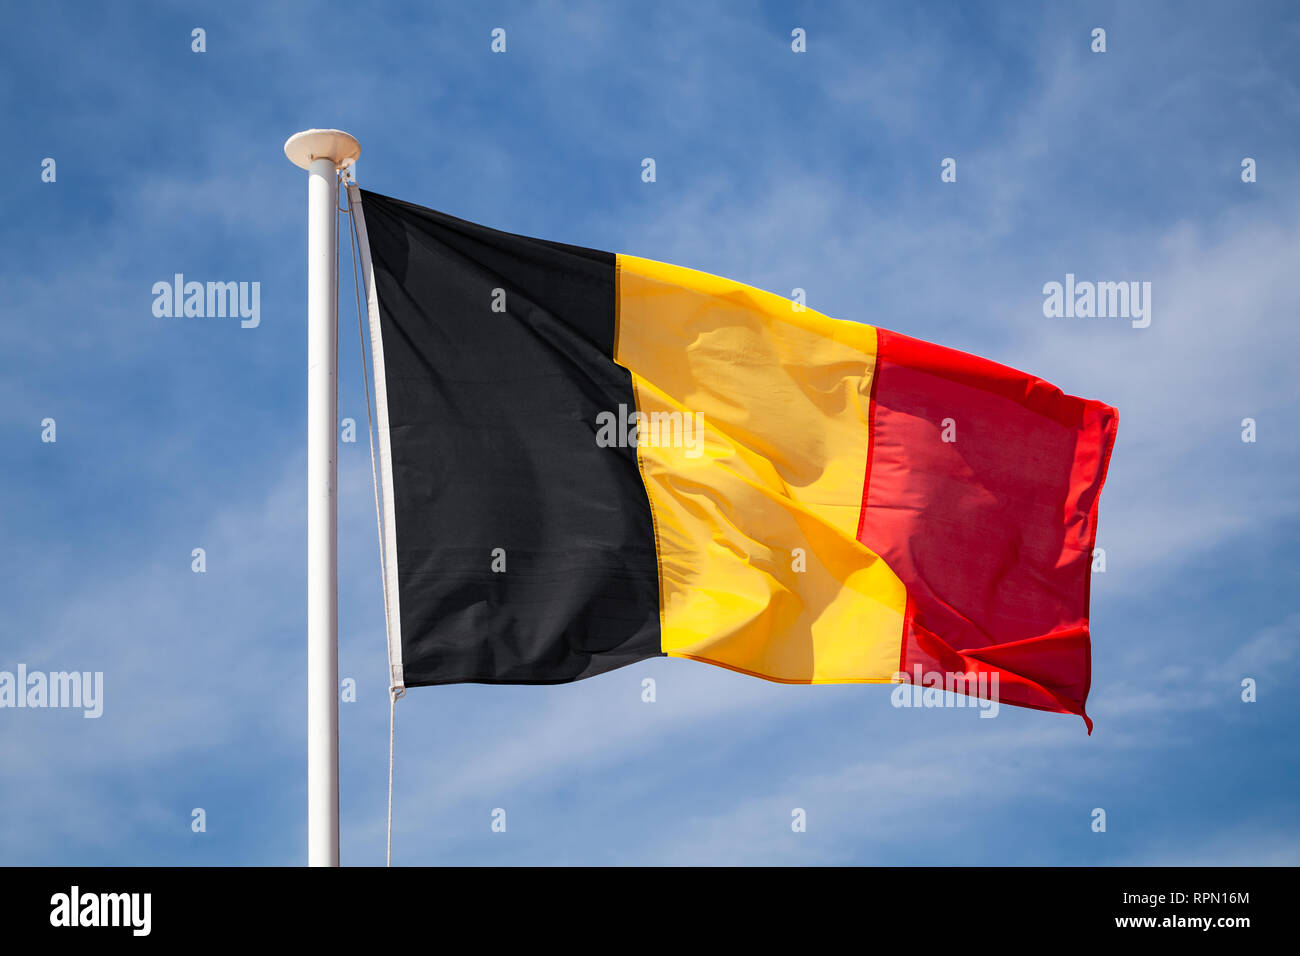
x=492, y=422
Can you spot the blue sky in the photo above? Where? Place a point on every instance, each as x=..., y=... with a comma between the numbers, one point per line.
x=817, y=170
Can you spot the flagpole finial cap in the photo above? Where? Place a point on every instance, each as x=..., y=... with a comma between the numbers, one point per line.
x=312, y=144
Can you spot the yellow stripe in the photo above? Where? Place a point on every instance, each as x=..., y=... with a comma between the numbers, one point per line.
x=776, y=470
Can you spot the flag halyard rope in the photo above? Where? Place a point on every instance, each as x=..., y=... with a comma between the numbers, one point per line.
x=394, y=692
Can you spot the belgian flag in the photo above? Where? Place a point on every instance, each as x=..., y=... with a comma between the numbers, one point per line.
x=590, y=459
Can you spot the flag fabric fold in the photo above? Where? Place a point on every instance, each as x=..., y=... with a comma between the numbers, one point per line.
x=594, y=459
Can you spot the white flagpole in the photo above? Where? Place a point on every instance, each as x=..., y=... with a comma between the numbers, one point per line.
x=322, y=152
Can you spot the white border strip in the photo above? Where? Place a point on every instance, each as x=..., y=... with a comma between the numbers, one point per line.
x=393, y=606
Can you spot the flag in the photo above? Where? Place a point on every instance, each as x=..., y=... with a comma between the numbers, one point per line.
x=591, y=459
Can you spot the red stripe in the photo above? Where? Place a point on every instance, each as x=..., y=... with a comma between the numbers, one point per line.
x=992, y=533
